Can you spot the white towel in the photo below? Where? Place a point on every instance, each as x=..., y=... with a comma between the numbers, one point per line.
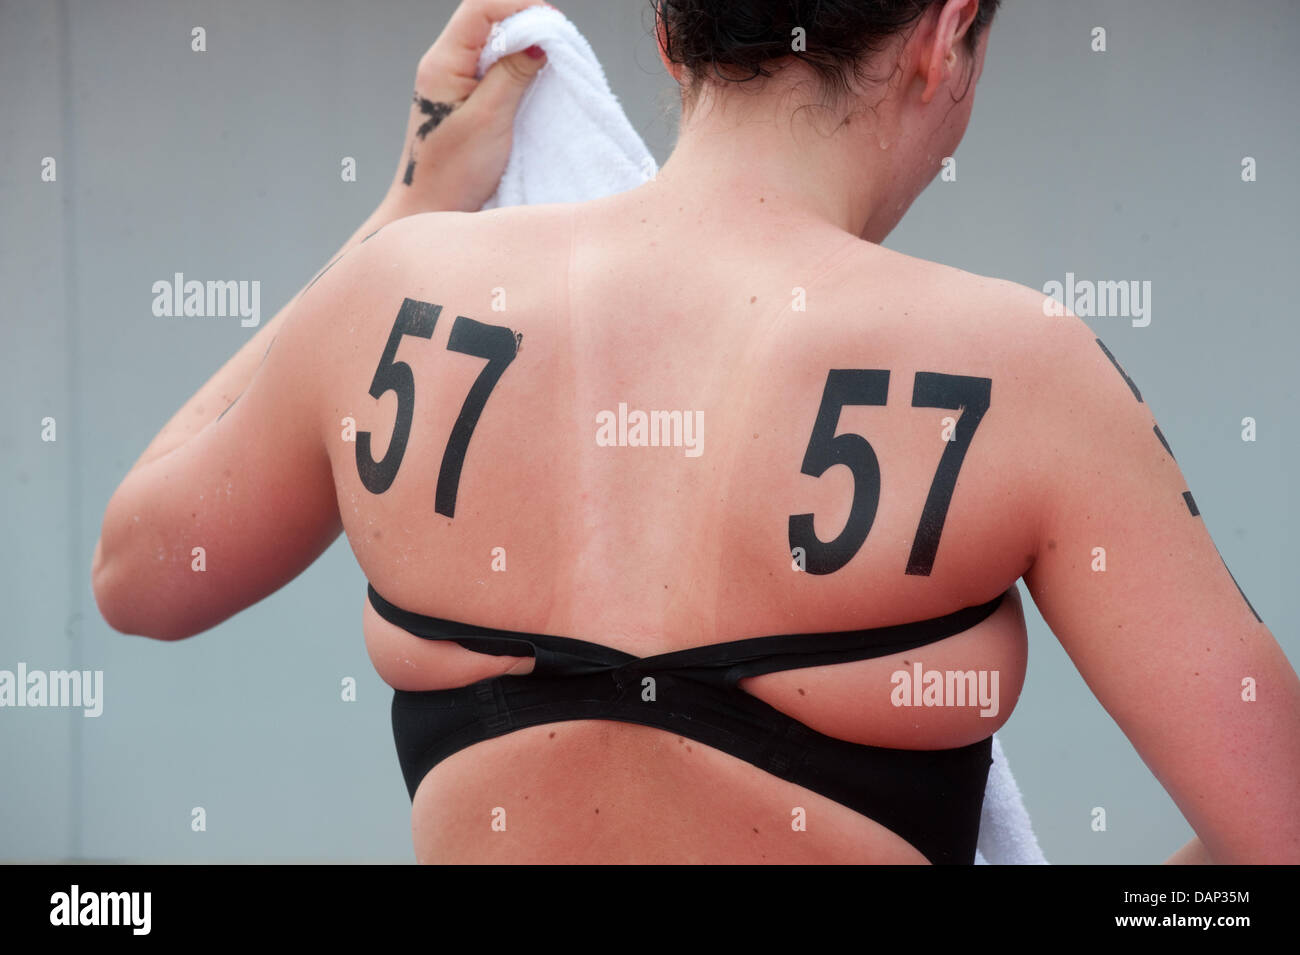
x=1006, y=836
x=573, y=142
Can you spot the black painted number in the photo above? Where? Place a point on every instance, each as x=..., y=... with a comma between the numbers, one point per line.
x=498, y=345
x=933, y=390
x=827, y=449
x=413, y=318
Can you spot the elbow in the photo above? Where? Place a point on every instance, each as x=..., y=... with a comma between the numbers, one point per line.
x=125, y=607
x=107, y=597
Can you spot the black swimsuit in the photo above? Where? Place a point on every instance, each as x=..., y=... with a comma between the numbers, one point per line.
x=931, y=798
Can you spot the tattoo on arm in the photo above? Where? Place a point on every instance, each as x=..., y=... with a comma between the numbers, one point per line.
x=1161, y=435
x=241, y=394
x=1187, y=495
x=1238, y=586
x=1120, y=368
x=436, y=112
x=322, y=272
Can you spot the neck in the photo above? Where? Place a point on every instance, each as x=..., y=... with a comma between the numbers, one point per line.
x=751, y=155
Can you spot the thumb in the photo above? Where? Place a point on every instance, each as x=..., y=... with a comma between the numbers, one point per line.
x=502, y=87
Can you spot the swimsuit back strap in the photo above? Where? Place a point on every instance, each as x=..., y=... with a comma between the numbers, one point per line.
x=734, y=660
x=752, y=657
x=553, y=654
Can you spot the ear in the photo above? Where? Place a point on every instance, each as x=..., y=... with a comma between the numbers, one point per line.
x=941, y=44
x=661, y=44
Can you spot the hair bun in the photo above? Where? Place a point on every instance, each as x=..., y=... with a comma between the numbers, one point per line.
x=738, y=40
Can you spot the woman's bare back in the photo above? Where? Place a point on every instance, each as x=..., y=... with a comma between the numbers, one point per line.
x=846, y=438
x=565, y=522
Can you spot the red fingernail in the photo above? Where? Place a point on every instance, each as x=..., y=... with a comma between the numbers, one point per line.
x=535, y=51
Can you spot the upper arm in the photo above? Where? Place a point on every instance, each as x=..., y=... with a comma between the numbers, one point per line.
x=1132, y=585
x=231, y=515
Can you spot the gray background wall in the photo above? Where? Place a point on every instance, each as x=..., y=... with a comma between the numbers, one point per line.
x=1122, y=165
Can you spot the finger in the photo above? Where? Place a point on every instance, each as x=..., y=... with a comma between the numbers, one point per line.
x=456, y=51
x=502, y=87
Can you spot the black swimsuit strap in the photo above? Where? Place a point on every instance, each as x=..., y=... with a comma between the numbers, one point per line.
x=552, y=653
x=757, y=655
x=741, y=658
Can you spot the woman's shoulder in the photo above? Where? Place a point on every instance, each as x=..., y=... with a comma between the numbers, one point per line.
x=531, y=224
x=932, y=302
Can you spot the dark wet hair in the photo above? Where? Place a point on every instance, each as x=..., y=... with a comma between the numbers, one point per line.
x=738, y=40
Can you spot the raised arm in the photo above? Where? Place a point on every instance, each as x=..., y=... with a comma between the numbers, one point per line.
x=458, y=138
x=234, y=496
x=1129, y=580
